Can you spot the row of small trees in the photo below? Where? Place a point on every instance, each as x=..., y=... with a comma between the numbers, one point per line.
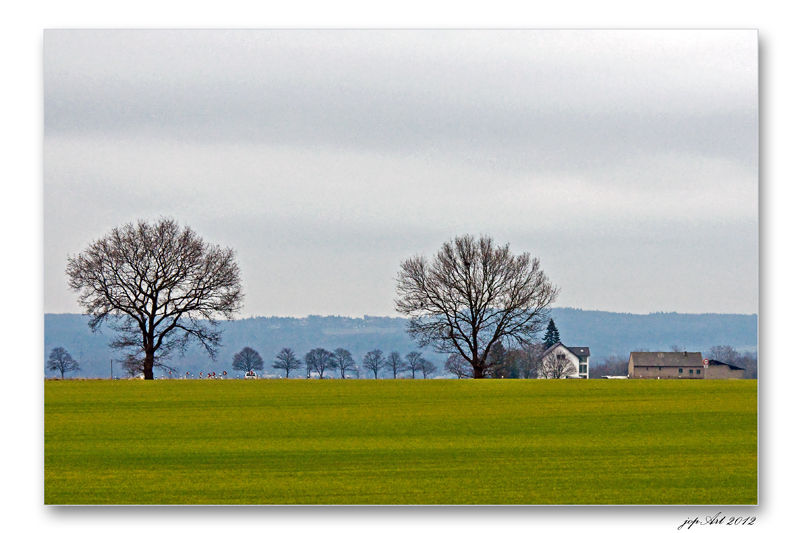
x=341, y=361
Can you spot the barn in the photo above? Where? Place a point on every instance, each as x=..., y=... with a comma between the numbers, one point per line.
x=666, y=365
x=719, y=370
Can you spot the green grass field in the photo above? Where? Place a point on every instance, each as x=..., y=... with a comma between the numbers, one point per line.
x=401, y=442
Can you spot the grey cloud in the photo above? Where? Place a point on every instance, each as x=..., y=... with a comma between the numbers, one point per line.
x=521, y=111
x=626, y=160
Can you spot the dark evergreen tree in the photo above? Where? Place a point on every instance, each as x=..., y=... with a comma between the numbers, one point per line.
x=502, y=363
x=551, y=336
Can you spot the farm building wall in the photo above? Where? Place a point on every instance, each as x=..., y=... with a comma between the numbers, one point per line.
x=724, y=372
x=667, y=372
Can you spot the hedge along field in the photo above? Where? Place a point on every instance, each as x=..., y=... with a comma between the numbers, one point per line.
x=401, y=442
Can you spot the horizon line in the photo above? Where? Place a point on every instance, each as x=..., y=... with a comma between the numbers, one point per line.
x=366, y=316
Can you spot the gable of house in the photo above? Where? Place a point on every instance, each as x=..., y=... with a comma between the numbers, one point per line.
x=577, y=355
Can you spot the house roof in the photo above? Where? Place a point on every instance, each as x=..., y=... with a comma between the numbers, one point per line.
x=667, y=358
x=579, y=350
x=715, y=362
x=582, y=351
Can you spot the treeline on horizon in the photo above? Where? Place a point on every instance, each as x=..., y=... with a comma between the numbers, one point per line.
x=609, y=336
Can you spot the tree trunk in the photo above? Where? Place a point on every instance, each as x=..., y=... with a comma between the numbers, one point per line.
x=148, y=363
x=478, y=372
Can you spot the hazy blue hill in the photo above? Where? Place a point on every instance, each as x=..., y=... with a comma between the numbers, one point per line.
x=72, y=332
x=604, y=332
x=620, y=333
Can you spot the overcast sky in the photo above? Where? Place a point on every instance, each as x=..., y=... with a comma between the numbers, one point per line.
x=627, y=161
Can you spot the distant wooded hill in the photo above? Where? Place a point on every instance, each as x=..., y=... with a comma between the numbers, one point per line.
x=603, y=332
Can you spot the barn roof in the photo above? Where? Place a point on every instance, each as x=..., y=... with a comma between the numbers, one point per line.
x=732, y=367
x=667, y=358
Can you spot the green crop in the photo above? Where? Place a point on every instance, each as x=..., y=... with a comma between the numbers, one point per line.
x=401, y=442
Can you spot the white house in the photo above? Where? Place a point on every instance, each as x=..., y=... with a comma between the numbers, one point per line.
x=577, y=355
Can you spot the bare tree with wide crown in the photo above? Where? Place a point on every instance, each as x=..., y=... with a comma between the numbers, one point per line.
x=473, y=295
x=159, y=286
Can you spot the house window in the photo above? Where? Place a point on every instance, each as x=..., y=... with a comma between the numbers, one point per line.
x=680, y=371
x=582, y=369
x=691, y=371
x=560, y=356
x=698, y=372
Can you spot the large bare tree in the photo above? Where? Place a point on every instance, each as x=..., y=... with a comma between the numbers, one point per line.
x=472, y=295
x=159, y=286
